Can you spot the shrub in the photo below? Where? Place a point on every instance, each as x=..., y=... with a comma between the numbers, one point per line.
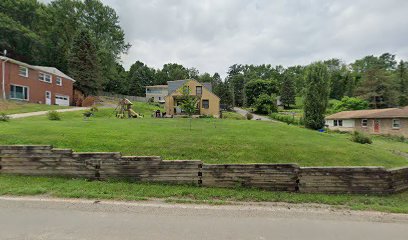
x=206, y=116
x=265, y=104
x=53, y=115
x=359, y=137
x=94, y=109
x=287, y=119
x=249, y=116
x=4, y=117
x=232, y=115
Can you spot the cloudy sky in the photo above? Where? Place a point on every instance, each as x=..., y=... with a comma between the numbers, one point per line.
x=211, y=35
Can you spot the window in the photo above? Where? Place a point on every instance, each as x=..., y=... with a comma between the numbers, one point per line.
x=395, y=123
x=364, y=122
x=335, y=123
x=18, y=92
x=199, y=90
x=340, y=123
x=206, y=104
x=23, y=71
x=58, y=81
x=45, y=77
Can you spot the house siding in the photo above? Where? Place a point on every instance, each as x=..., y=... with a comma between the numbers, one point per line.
x=385, y=127
x=36, y=88
x=214, y=101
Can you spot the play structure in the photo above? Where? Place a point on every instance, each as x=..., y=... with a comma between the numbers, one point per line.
x=124, y=109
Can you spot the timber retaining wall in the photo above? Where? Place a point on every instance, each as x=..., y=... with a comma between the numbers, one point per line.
x=49, y=161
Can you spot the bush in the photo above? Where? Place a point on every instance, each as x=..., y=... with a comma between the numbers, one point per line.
x=286, y=118
x=359, y=137
x=4, y=117
x=249, y=116
x=94, y=109
x=206, y=116
x=53, y=115
x=265, y=104
x=232, y=115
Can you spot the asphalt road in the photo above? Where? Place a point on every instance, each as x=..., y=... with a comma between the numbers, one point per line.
x=243, y=112
x=80, y=219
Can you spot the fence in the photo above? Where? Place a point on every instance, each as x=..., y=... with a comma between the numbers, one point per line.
x=48, y=161
x=120, y=96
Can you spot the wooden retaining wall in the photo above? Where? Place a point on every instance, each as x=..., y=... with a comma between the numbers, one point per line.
x=48, y=161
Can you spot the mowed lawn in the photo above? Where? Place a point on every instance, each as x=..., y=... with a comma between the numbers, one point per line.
x=210, y=140
x=13, y=107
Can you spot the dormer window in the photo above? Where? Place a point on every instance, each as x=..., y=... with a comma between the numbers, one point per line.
x=23, y=71
x=199, y=90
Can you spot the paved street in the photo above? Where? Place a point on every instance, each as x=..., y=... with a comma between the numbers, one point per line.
x=82, y=219
x=243, y=112
x=40, y=113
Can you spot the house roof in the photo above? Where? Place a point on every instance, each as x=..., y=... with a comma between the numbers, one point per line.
x=374, y=113
x=175, y=85
x=51, y=70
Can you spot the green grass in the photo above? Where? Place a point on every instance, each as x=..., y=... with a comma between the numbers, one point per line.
x=210, y=140
x=121, y=190
x=13, y=107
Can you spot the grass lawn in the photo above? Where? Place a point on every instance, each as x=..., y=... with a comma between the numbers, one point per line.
x=12, y=107
x=119, y=190
x=210, y=140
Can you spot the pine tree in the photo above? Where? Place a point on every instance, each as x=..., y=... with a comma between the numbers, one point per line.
x=84, y=65
x=316, y=95
x=402, y=81
x=288, y=95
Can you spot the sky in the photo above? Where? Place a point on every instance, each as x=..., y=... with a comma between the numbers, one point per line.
x=212, y=35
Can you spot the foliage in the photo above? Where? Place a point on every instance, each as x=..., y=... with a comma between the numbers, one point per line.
x=249, y=116
x=287, y=93
x=53, y=115
x=189, y=104
x=4, y=117
x=348, y=104
x=316, y=95
x=84, y=66
x=359, y=137
x=287, y=118
x=255, y=88
x=265, y=104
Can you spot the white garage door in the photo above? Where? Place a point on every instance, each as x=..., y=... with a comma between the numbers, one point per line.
x=61, y=100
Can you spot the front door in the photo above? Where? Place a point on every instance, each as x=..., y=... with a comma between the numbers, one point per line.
x=48, y=97
x=376, y=125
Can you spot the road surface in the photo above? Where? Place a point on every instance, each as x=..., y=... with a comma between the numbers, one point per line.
x=40, y=113
x=34, y=219
x=243, y=112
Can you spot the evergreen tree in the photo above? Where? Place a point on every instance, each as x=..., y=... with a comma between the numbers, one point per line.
x=288, y=94
x=316, y=95
x=84, y=65
x=403, y=84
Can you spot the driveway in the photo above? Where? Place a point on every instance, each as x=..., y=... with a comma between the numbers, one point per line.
x=243, y=112
x=32, y=114
x=46, y=219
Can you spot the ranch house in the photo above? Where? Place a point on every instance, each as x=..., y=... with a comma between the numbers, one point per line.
x=388, y=121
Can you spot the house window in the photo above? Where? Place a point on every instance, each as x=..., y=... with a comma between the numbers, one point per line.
x=18, y=92
x=335, y=123
x=199, y=90
x=340, y=123
x=364, y=122
x=23, y=71
x=45, y=77
x=58, y=81
x=395, y=123
x=206, y=104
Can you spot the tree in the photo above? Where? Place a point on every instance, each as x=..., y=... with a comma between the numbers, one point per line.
x=84, y=64
x=139, y=77
x=316, y=95
x=349, y=104
x=189, y=104
x=171, y=72
x=402, y=78
x=255, y=88
x=265, y=104
x=287, y=94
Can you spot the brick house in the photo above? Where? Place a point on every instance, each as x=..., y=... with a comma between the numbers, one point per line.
x=388, y=121
x=34, y=84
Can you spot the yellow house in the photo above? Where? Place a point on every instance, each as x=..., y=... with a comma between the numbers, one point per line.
x=208, y=102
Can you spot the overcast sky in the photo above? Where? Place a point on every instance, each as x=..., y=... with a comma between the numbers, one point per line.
x=211, y=35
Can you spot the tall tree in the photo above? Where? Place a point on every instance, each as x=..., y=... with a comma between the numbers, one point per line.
x=139, y=77
x=84, y=65
x=287, y=93
x=316, y=95
x=402, y=78
x=255, y=88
